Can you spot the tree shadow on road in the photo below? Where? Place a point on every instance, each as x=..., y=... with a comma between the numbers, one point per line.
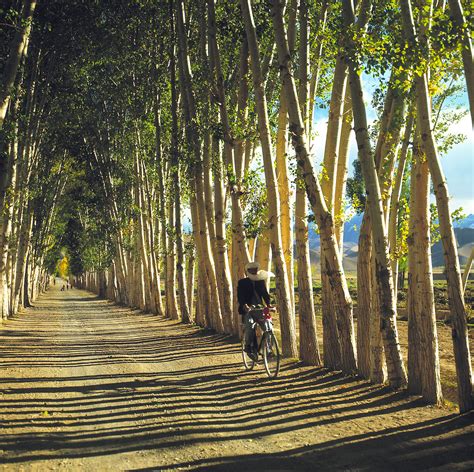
x=403, y=449
x=320, y=420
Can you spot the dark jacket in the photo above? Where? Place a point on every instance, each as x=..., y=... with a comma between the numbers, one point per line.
x=245, y=289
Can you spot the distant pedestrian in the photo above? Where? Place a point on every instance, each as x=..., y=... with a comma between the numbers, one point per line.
x=62, y=288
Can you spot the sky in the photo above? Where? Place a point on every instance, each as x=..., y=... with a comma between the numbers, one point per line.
x=457, y=164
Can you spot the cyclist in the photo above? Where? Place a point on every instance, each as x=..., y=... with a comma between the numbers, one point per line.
x=252, y=295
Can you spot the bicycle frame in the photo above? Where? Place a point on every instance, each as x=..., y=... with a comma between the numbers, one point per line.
x=266, y=326
x=267, y=347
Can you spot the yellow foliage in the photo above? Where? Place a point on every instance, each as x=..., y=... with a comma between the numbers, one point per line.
x=63, y=267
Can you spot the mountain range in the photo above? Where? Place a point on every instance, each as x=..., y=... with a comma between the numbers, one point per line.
x=463, y=229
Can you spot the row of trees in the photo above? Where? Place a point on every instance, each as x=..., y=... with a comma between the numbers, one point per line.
x=29, y=184
x=124, y=121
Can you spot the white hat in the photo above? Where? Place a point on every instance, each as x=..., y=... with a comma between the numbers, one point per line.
x=252, y=265
x=260, y=275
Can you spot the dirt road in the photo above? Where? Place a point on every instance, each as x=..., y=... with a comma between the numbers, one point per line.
x=87, y=385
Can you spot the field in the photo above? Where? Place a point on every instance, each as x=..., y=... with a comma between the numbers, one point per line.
x=448, y=372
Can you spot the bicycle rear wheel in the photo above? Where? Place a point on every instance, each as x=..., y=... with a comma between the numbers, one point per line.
x=249, y=363
x=271, y=354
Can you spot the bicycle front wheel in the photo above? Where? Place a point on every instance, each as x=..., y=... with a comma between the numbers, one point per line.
x=271, y=354
x=249, y=363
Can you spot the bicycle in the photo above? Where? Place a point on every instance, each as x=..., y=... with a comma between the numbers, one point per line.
x=268, y=347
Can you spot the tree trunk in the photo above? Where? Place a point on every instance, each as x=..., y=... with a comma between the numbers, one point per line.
x=423, y=344
x=396, y=370
x=216, y=200
x=187, y=93
x=385, y=152
x=331, y=341
x=190, y=283
x=377, y=371
x=457, y=15
x=143, y=249
x=263, y=251
x=230, y=164
x=287, y=321
x=222, y=259
x=209, y=199
x=16, y=51
x=364, y=298
x=341, y=171
x=240, y=254
x=333, y=135
x=171, y=300
x=395, y=202
x=8, y=180
x=281, y=167
x=161, y=220
x=313, y=86
x=309, y=346
x=202, y=291
x=175, y=169
x=22, y=256
x=153, y=254
x=388, y=142
x=281, y=155
x=455, y=291
x=180, y=262
x=467, y=269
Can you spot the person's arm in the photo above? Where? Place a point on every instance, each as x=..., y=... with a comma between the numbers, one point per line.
x=263, y=292
x=267, y=298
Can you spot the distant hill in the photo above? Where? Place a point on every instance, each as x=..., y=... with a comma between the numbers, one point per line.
x=465, y=239
x=351, y=232
x=464, y=231
x=467, y=222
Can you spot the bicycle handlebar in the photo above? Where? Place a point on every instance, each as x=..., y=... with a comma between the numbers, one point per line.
x=269, y=308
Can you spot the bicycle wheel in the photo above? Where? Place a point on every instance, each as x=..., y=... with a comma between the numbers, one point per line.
x=249, y=363
x=271, y=354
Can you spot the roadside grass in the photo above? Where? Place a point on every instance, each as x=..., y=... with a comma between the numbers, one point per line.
x=448, y=373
